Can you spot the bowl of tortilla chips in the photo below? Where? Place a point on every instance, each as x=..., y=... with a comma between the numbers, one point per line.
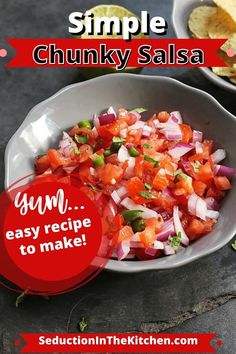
x=210, y=19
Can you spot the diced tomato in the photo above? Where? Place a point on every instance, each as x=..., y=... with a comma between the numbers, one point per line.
x=205, y=173
x=125, y=233
x=164, y=202
x=88, y=191
x=138, y=168
x=207, y=146
x=199, y=188
x=154, y=223
x=44, y=178
x=56, y=158
x=215, y=193
x=84, y=172
x=222, y=183
x=148, y=236
x=110, y=174
x=65, y=180
x=187, y=133
x=197, y=228
x=85, y=152
x=160, y=182
x=185, y=183
x=134, y=185
x=42, y=163
x=163, y=116
x=134, y=137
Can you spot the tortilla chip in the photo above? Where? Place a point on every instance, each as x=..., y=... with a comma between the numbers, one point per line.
x=230, y=44
x=227, y=71
x=233, y=80
x=228, y=60
x=199, y=21
x=228, y=6
x=221, y=25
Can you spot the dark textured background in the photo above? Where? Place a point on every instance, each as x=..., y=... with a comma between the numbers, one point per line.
x=199, y=297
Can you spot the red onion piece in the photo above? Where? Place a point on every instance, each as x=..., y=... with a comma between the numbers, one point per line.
x=218, y=155
x=96, y=121
x=138, y=125
x=136, y=114
x=176, y=117
x=212, y=214
x=146, y=214
x=107, y=118
x=111, y=111
x=212, y=204
x=130, y=168
x=179, y=150
x=123, y=154
x=197, y=206
x=95, y=132
x=69, y=169
x=197, y=136
x=225, y=171
x=123, y=133
x=179, y=228
x=110, y=209
x=168, y=250
x=66, y=144
x=198, y=147
x=115, y=196
x=172, y=132
x=146, y=131
x=167, y=230
x=151, y=251
x=123, y=250
x=158, y=245
x=122, y=192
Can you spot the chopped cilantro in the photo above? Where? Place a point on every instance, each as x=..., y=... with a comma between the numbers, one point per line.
x=82, y=325
x=179, y=173
x=234, y=245
x=175, y=241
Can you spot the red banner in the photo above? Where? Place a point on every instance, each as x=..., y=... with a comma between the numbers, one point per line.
x=116, y=52
x=122, y=343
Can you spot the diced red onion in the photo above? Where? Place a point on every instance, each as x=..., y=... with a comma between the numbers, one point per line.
x=151, y=251
x=172, y=132
x=110, y=209
x=156, y=123
x=123, y=250
x=66, y=144
x=130, y=168
x=192, y=203
x=197, y=136
x=130, y=145
x=122, y=192
x=218, y=155
x=198, y=147
x=136, y=114
x=115, y=196
x=158, y=245
x=107, y=118
x=180, y=150
x=167, y=230
x=167, y=192
x=135, y=237
x=146, y=212
x=138, y=125
x=201, y=208
x=179, y=228
x=176, y=117
x=123, y=154
x=111, y=111
x=212, y=214
x=168, y=250
x=225, y=171
x=95, y=132
x=212, y=204
x=146, y=131
x=96, y=122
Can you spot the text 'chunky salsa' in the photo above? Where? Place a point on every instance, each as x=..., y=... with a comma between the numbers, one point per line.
x=157, y=184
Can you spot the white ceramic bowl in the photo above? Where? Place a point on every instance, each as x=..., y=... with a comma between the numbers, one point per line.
x=180, y=15
x=43, y=126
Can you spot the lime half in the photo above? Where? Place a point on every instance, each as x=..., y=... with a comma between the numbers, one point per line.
x=109, y=11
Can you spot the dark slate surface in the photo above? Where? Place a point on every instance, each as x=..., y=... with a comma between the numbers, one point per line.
x=199, y=297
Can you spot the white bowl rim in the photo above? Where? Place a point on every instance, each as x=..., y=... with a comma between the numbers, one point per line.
x=208, y=73
x=114, y=265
